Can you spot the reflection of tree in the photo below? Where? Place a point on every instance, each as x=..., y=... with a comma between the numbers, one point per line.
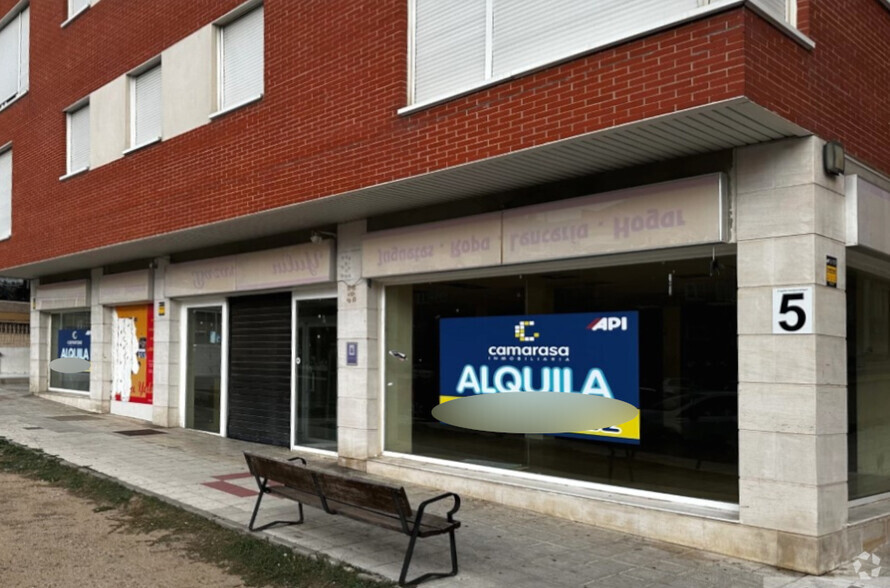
x=14, y=290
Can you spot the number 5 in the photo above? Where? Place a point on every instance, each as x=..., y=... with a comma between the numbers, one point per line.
x=791, y=310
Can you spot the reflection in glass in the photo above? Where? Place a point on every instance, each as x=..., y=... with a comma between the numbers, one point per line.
x=316, y=369
x=688, y=374
x=868, y=384
x=203, y=381
x=64, y=321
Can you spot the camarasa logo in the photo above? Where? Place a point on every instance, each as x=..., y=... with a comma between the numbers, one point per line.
x=608, y=323
x=519, y=331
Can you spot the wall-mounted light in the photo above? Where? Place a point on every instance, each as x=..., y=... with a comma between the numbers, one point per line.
x=319, y=236
x=833, y=158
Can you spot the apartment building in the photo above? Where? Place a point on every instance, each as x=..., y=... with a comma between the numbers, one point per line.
x=309, y=223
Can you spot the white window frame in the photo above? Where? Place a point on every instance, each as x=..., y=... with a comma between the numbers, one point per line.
x=220, y=25
x=205, y=302
x=70, y=172
x=133, y=76
x=74, y=11
x=19, y=16
x=6, y=232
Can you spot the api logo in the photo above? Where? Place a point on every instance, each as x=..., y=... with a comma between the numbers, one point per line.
x=520, y=333
x=608, y=323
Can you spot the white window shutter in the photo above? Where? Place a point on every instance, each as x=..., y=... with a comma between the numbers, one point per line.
x=79, y=139
x=9, y=60
x=147, y=107
x=527, y=33
x=776, y=8
x=449, y=46
x=6, y=194
x=24, y=49
x=75, y=6
x=242, y=59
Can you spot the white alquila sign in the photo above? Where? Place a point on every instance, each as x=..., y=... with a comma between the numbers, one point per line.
x=793, y=310
x=310, y=263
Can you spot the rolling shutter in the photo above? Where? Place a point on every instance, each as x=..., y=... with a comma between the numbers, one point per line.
x=24, y=48
x=6, y=194
x=9, y=60
x=776, y=8
x=528, y=32
x=449, y=46
x=79, y=139
x=242, y=59
x=260, y=368
x=75, y=6
x=147, y=108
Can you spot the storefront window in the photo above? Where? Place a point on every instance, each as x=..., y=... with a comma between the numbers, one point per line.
x=70, y=337
x=868, y=383
x=687, y=357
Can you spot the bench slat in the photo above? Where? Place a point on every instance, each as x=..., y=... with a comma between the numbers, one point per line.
x=373, y=496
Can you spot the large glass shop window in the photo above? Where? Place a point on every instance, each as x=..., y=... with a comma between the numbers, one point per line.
x=70, y=338
x=681, y=317
x=868, y=384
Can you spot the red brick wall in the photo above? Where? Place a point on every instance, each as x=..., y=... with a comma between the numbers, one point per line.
x=335, y=75
x=840, y=89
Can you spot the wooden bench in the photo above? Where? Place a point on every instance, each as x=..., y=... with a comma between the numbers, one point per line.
x=380, y=504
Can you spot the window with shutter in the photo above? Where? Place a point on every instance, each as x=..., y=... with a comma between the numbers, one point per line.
x=460, y=45
x=241, y=59
x=14, y=57
x=6, y=194
x=79, y=139
x=77, y=6
x=145, y=123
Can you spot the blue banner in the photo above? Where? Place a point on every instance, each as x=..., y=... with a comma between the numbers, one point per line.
x=74, y=343
x=585, y=353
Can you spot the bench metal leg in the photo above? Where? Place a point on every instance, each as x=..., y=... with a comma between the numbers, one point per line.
x=263, y=486
x=410, y=552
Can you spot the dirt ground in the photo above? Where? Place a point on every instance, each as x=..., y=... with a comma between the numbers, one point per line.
x=49, y=538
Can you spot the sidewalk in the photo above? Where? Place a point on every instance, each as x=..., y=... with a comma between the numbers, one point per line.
x=497, y=545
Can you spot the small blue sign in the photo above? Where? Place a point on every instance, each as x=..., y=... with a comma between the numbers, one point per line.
x=351, y=353
x=585, y=353
x=74, y=343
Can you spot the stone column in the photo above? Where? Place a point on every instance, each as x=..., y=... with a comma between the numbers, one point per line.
x=358, y=407
x=792, y=387
x=166, y=352
x=101, y=321
x=38, y=376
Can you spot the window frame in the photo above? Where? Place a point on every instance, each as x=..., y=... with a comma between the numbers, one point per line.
x=74, y=13
x=69, y=114
x=4, y=149
x=150, y=66
x=16, y=17
x=219, y=37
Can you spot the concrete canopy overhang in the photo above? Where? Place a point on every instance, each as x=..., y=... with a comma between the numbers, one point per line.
x=723, y=125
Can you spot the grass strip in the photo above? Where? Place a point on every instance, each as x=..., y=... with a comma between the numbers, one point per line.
x=257, y=561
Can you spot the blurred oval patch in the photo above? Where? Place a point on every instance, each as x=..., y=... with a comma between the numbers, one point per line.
x=69, y=365
x=534, y=412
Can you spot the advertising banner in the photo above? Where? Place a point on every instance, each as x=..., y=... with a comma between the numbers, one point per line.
x=132, y=354
x=74, y=343
x=584, y=353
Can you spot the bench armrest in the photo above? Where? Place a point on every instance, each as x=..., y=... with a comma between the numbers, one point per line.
x=303, y=461
x=450, y=514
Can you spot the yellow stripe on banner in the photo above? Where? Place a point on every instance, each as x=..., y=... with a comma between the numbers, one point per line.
x=444, y=399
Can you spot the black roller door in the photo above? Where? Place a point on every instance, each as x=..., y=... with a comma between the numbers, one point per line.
x=259, y=368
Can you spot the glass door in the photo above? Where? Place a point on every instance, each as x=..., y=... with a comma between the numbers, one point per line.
x=315, y=370
x=203, y=380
